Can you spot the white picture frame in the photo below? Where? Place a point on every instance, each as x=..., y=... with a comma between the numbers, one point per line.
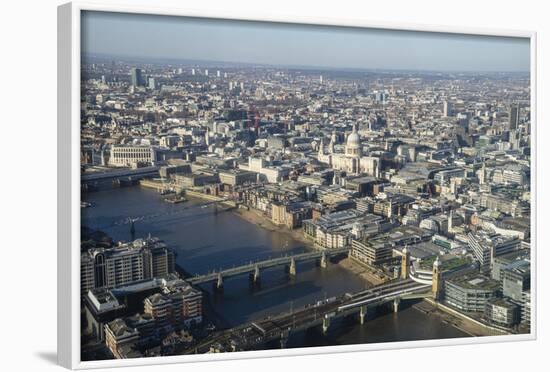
x=69, y=183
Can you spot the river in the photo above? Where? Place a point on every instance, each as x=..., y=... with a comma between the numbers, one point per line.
x=205, y=240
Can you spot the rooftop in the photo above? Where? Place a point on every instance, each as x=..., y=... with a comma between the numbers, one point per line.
x=476, y=282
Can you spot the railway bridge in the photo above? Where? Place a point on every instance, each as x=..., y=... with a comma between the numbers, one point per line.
x=116, y=177
x=279, y=327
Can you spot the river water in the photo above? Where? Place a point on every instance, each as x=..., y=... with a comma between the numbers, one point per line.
x=205, y=240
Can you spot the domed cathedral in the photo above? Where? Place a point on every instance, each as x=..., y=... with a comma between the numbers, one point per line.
x=352, y=160
x=353, y=151
x=353, y=144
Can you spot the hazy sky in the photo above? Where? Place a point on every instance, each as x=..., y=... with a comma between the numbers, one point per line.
x=131, y=35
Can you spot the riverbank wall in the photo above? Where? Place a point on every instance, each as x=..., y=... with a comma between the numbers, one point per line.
x=155, y=184
x=461, y=321
x=367, y=274
x=208, y=197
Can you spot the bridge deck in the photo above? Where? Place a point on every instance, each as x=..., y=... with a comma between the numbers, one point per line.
x=118, y=173
x=172, y=212
x=250, y=267
x=270, y=328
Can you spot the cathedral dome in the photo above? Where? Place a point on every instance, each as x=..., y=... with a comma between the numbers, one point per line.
x=353, y=141
x=353, y=146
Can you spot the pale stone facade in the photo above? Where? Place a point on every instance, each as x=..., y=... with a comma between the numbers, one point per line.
x=352, y=160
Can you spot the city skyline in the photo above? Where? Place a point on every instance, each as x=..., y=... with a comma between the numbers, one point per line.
x=169, y=38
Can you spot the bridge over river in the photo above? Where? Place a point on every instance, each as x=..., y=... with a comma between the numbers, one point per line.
x=257, y=333
x=94, y=180
x=254, y=268
x=229, y=203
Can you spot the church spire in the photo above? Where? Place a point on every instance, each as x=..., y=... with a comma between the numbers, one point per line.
x=321, y=148
x=332, y=142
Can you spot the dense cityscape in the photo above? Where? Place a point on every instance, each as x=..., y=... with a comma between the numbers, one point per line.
x=416, y=184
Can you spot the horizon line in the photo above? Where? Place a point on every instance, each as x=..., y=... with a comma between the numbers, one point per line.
x=311, y=67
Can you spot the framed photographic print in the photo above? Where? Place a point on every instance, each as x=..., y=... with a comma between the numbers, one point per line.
x=236, y=187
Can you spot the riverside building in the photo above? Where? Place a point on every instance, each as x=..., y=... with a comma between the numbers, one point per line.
x=370, y=254
x=470, y=293
x=124, y=155
x=125, y=264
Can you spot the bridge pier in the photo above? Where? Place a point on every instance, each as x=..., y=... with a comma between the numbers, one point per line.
x=362, y=314
x=324, y=260
x=219, y=282
x=292, y=268
x=396, y=302
x=326, y=324
x=283, y=340
x=255, y=276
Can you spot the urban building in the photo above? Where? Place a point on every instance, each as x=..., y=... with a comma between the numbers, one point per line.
x=503, y=261
x=136, y=77
x=370, y=254
x=526, y=310
x=126, y=263
x=102, y=306
x=178, y=305
x=470, y=293
x=487, y=246
x=502, y=312
x=125, y=156
x=513, y=117
x=120, y=339
x=516, y=279
x=447, y=108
